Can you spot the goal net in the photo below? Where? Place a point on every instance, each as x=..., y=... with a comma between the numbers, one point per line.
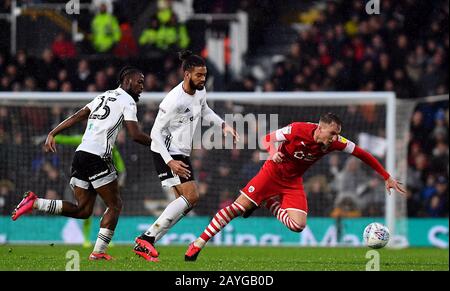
x=343, y=193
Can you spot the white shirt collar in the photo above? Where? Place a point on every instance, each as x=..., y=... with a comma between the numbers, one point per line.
x=122, y=91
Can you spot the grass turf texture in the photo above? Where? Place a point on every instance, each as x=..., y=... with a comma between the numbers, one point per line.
x=47, y=257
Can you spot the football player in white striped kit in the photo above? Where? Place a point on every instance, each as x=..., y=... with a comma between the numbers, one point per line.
x=92, y=169
x=172, y=137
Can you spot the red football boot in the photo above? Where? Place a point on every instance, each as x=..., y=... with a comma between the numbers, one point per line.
x=145, y=250
x=192, y=253
x=99, y=256
x=25, y=206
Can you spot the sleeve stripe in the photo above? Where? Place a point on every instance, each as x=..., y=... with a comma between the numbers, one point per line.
x=350, y=147
x=279, y=135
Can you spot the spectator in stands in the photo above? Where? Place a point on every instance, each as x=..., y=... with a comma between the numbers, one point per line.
x=437, y=204
x=111, y=75
x=83, y=77
x=105, y=30
x=6, y=194
x=152, y=83
x=127, y=46
x=346, y=207
x=5, y=83
x=417, y=173
x=97, y=4
x=25, y=65
x=63, y=48
x=48, y=67
x=101, y=81
x=149, y=36
x=350, y=183
x=373, y=198
x=252, y=167
x=320, y=199
x=165, y=33
x=30, y=85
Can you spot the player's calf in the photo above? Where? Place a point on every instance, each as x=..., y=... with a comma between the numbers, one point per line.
x=292, y=224
x=219, y=221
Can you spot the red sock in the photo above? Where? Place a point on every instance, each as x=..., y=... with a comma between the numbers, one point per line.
x=221, y=219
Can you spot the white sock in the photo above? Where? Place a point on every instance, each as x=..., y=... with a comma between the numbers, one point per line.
x=171, y=215
x=103, y=239
x=49, y=206
x=163, y=231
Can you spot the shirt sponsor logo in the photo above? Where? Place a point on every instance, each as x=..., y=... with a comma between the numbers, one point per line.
x=304, y=156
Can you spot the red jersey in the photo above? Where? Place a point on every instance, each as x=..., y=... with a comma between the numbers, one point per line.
x=301, y=151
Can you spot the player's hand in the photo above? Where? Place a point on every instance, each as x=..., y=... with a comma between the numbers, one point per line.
x=179, y=168
x=396, y=185
x=228, y=129
x=50, y=144
x=278, y=157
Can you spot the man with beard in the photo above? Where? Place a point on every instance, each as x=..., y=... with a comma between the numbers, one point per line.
x=172, y=135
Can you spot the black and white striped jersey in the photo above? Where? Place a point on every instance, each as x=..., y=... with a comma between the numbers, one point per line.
x=108, y=111
x=177, y=119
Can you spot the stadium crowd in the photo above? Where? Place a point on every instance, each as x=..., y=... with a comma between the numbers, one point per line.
x=404, y=49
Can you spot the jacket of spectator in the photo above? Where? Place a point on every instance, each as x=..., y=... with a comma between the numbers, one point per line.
x=105, y=31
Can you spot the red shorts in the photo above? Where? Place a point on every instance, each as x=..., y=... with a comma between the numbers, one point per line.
x=263, y=186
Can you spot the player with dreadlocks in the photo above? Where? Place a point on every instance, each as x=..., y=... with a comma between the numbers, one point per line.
x=93, y=171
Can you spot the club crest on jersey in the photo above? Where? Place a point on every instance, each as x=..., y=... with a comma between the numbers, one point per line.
x=251, y=189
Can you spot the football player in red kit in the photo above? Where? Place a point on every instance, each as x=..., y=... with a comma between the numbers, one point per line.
x=279, y=184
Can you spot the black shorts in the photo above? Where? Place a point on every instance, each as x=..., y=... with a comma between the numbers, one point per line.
x=165, y=174
x=90, y=171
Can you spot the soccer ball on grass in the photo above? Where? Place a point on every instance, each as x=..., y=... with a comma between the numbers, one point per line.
x=376, y=235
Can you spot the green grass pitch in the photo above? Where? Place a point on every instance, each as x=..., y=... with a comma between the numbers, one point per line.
x=212, y=258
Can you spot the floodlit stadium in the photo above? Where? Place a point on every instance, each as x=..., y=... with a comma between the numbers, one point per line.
x=193, y=135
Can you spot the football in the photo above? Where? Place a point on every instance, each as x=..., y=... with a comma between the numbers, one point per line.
x=376, y=235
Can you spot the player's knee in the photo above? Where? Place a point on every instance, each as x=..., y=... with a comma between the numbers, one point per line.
x=84, y=213
x=192, y=198
x=297, y=227
x=116, y=207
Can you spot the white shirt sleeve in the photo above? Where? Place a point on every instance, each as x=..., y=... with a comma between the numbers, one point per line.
x=209, y=115
x=90, y=105
x=280, y=133
x=165, y=114
x=348, y=145
x=130, y=112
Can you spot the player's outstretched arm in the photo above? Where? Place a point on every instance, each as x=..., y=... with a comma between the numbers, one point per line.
x=80, y=115
x=391, y=183
x=136, y=133
x=230, y=130
x=209, y=115
x=161, y=122
x=370, y=160
x=269, y=144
